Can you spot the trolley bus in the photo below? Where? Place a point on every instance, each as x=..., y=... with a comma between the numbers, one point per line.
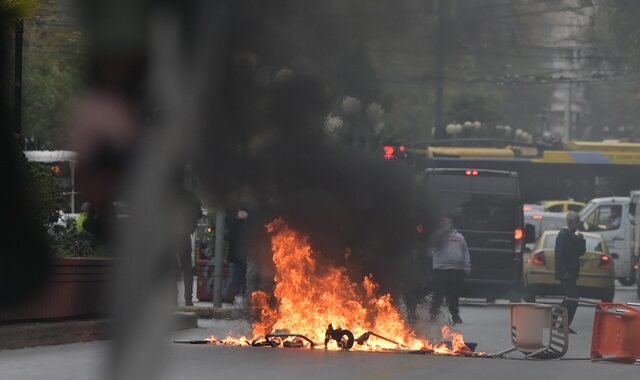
x=580, y=170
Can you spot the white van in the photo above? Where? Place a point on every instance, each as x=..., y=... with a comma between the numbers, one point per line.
x=614, y=219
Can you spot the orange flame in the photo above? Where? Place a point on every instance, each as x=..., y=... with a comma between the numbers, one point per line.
x=308, y=298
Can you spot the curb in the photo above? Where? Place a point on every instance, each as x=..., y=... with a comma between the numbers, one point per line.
x=33, y=334
x=215, y=312
x=51, y=333
x=184, y=321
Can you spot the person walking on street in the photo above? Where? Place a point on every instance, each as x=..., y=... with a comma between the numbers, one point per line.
x=236, y=237
x=191, y=212
x=451, y=262
x=570, y=245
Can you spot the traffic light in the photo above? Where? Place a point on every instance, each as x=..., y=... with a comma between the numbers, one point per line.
x=391, y=152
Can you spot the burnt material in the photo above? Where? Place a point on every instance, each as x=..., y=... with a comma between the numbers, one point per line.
x=264, y=343
x=195, y=341
x=297, y=342
x=365, y=337
x=344, y=338
x=205, y=341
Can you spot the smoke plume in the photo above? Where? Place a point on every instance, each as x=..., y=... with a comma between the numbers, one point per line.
x=266, y=147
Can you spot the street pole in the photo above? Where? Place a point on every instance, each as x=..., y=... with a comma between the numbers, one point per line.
x=217, y=260
x=440, y=63
x=568, y=112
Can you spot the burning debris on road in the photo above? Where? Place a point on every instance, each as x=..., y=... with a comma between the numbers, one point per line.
x=308, y=296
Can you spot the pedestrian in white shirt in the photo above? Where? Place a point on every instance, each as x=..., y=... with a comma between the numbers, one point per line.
x=451, y=263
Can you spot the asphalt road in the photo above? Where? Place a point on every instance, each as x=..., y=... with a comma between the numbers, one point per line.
x=486, y=325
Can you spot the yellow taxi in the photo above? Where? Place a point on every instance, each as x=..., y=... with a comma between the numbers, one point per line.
x=596, y=269
x=561, y=205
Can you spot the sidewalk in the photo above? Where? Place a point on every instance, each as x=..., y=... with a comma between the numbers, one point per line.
x=41, y=333
x=21, y=335
x=32, y=334
x=206, y=309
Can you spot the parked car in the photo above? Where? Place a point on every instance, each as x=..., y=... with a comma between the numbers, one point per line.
x=532, y=207
x=537, y=222
x=561, y=205
x=596, y=269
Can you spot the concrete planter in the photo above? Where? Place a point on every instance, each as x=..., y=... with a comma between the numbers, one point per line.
x=76, y=288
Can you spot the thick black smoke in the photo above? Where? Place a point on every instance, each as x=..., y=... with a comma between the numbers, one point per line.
x=267, y=148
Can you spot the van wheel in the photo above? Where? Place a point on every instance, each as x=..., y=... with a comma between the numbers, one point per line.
x=529, y=296
x=627, y=281
x=515, y=296
x=608, y=298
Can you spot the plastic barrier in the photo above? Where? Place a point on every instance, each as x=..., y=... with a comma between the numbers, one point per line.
x=616, y=333
x=529, y=322
x=204, y=287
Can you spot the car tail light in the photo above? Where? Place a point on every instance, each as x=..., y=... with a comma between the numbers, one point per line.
x=538, y=259
x=538, y=217
x=527, y=208
x=472, y=173
x=518, y=234
x=389, y=152
x=605, y=262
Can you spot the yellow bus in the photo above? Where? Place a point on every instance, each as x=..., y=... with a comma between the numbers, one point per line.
x=580, y=170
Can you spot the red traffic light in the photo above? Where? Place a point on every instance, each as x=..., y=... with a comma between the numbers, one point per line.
x=389, y=152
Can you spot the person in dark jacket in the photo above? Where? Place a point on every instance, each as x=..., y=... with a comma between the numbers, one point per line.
x=236, y=236
x=191, y=212
x=570, y=245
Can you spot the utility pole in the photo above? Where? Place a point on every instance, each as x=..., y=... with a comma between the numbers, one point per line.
x=568, y=112
x=443, y=9
x=217, y=260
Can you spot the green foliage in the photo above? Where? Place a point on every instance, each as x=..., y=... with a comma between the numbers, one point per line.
x=46, y=192
x=524, y=106
x=50, y=84
x=72, y=243
x=472, y=107
x=52, y=75
x=615, y=104
x=17, y=9
x=624, y=24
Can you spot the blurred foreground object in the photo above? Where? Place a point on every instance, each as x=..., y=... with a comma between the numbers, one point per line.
x=24, y=257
